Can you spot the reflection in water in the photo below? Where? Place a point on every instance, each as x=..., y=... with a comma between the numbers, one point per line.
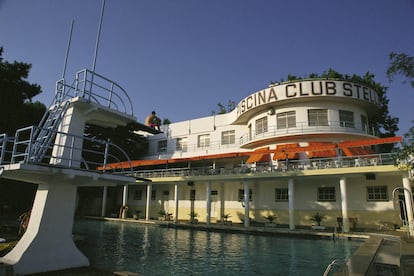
x=153, y=250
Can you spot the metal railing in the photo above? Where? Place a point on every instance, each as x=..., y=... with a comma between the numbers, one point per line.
x=336, y=266
x=95, y=88
x=6, y=148
x=305, y=128
x=269, y=167
x=68, y=151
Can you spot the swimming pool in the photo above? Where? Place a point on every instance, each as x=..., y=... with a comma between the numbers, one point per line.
x=154, y=250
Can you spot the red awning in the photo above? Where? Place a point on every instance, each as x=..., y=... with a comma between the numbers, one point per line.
x=370, y=142
x=356, y=151
x=259, y=155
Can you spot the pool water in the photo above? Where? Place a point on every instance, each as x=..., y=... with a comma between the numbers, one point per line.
x=154, y=250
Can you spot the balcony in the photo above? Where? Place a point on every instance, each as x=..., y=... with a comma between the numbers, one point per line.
x=303, y=128
x=280, y=166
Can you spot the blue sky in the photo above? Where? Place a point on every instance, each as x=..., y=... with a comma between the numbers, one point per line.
x=180, y=58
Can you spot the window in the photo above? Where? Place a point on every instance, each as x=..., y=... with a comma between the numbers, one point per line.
x=166, y=193
x=153, y=194
x=364, y=123
x=377, y=193
x=181, y=144
x=162, y=146
x=203, y=141
x=192, y=195
x=261, y=125
x=281, y=194
x=241, y=195
x=346, y=118
x=138, y=194
x=318, y=117
x=286, y=119
x=326, y=194
x=214, y=192
x=228, y=137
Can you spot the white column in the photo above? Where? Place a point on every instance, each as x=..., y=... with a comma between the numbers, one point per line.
x=124, y=201
x=344, y=205
x=104, y=198
x=291, y=194
x=148, y=207
x=176, y=202
x=222, y=205
x=208, y=191
x=246, y=204
x=47, y=244
x=408, y=203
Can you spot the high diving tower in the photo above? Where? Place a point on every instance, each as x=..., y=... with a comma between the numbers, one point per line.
x=58, y=157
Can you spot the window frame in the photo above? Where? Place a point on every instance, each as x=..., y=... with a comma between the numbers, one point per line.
x=203, y=141
x=181, y=144
x=321, y=117
x=325, y=194
x=261, y=125
x=162, y=146
x=284, y=119
x=228, y=137
x=281, y=194
x=371, y=196
x=346, y=118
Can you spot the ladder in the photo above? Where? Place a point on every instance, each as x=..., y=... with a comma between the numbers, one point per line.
x=45, y=134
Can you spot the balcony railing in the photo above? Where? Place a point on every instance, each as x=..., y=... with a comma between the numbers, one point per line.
x=305, y=128
x=275, y=166
x=95, y=88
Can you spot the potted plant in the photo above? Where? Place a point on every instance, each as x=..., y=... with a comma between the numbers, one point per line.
x=193, y=217
x=162, y=214
x=270, y=220
x=318, y=218
x=136, y=214
x=226, y=219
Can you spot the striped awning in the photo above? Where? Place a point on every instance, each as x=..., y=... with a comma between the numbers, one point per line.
x=259, y=155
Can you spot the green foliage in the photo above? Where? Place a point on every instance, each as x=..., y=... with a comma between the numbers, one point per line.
x=223, y=109
x=166, y=121
x=401, y=64
x=318, y=218
x=16, y=95
x=406, y=151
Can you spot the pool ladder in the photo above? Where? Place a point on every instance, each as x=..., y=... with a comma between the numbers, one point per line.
x=336, y=264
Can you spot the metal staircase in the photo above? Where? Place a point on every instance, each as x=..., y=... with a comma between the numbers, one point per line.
x=44, y=135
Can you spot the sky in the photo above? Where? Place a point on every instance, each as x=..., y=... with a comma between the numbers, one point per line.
x=183, y=57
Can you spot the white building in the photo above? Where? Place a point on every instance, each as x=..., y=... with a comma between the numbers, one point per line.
x=292, y=150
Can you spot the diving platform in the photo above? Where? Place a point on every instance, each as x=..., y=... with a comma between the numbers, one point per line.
x=58, y=157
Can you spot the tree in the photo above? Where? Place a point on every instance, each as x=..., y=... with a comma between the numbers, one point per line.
x=16, y=111
x=406, y=152
x=401, y=64
x=16, y=95
x=222, y=109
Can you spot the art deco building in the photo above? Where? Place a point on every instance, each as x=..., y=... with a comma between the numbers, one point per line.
x=291, y=150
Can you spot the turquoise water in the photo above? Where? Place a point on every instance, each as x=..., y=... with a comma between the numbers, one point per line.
x=154, y=250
